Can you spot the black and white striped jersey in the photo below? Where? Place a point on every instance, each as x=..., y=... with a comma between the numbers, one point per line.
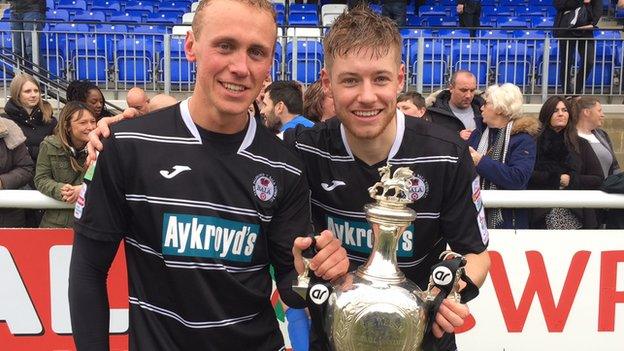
x=448, y=209
x=202, y=216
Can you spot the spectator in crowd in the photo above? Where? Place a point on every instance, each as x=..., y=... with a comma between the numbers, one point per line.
x=88, y=93
x=283, y=106
x=563, y=161
x=61, y=161
x=590, y=119
x=26, y=16
x=412, y=104
x=469, y=12
x=317, y=106
x=16, y=169
x=260, y=98
x=161, y=101
x=137, y=99
x=457, y=107
x=30, y=111
x=396, y=10
x=573, y=41
x=503, y=150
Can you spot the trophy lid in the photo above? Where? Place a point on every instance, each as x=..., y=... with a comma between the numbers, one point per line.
x=392, y=194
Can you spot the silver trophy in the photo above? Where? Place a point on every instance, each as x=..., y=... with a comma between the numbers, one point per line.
x=376, y=307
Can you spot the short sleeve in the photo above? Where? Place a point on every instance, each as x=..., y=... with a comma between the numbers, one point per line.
x=102, y=216
x=463, y=218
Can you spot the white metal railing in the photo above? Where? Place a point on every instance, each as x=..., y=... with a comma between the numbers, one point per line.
x=491, y=199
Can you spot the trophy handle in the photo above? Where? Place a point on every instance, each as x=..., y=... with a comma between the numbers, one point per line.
x=302, y=283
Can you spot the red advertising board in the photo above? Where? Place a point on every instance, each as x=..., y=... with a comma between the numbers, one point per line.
x=547, y=290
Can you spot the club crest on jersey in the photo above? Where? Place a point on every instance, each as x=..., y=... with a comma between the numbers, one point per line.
x=420, y=188
x=264, y=187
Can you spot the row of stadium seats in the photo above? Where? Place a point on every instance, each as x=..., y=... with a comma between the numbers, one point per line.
x=139, y=58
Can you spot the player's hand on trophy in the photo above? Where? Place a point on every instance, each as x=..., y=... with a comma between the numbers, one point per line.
x=451, y=315
x=103, y=131
x=330, y=261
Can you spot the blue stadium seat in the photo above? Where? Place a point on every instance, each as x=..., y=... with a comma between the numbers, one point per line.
x=473, y=57
x=6, y=14
x=57, y=15
x=454, y=33
x=150, y=29
x=72, y=5
x=90, y=16
x=143, y=3
x=434, y=21
x=122, y=17
x=493, y=34
x=608, y=45
x=53, y=53
x=107, y=6
x=303, y=8
x=276, y=69
x=280, y=19
x=548, y=3
x=90, y=59
x=279, y=7
x=164, y=18
x=303, y=19
x=134, y=60
x=435, y=63
x=375, y=7
x=512, y=22
x=72, y=28
x=414, y=21
x=140, y=10
x=514, y=63
x=553, y=59
x=309, y=60
x=543, y=22
x=449, y=22
x=182, y=71
x=529, y=11
x=182, y=7
x=117, y=29
x=427, y=10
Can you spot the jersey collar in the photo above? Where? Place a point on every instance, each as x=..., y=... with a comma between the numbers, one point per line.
x=398, y=138
x=190, y=125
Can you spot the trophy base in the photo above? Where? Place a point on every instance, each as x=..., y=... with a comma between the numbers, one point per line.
x=370, y=315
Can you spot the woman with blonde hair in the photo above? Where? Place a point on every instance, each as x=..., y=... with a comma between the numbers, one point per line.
x=61, y=161
x=503, y=150
x=29, y=111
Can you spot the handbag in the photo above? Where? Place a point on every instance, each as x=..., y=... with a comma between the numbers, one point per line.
x=562, y=218
x=575, y=18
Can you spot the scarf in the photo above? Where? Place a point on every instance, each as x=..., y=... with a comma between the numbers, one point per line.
x=498, y=152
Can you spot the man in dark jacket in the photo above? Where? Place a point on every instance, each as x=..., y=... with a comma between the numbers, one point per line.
x=26, y=15
x=576, y=40
x=469, y=12
x=457, y=107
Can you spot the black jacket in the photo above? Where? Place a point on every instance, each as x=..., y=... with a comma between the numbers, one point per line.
x=594, y=9
x=554, y=158
x=33, y=126
x=439, y=112
x=22, y=6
